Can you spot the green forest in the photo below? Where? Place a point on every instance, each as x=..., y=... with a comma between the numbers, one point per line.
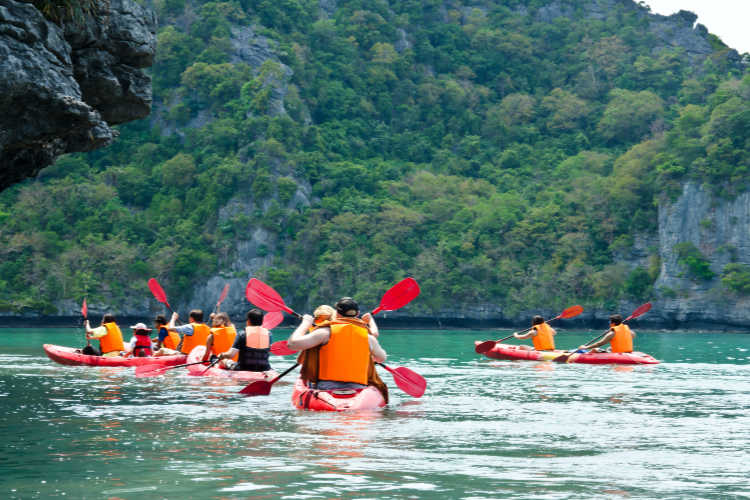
x=497, y=155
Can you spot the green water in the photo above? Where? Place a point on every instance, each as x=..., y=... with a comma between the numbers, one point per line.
x=484, y=428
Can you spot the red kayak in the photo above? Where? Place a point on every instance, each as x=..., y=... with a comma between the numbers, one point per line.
x=507, y=351
x=305, y=398
x=240, y=375
x=69, y=356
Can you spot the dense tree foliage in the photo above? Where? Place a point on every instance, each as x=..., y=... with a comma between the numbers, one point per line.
x=500, y=154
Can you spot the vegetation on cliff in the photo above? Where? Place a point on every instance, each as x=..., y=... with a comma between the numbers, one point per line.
x=499, y=153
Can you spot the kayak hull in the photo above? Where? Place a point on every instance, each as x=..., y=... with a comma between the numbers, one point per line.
x=514, y=352
x=69, y=356
x=305, y=398
x=243, y=376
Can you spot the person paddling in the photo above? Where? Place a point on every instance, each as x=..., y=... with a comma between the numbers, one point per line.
x=541, y=334
x=221, y=338
x=193, y=334
x=109, y=336
x=346, y=350
x=251, y=347
x=140, y=344
x=167, y=342
x=620, y=337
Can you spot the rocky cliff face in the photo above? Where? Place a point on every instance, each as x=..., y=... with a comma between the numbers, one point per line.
x=719, y=228
x=62, y=87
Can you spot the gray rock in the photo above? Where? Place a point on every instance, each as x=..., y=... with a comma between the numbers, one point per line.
x=62, y=87
x=720, y=229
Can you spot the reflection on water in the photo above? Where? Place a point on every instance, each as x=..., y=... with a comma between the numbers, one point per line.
x=485, y=428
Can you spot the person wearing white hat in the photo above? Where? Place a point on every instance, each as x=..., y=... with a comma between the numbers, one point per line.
x=140, y=344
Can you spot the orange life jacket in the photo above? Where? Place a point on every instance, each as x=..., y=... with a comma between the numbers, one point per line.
x=223, y=339
x=346, y=356
x=171, y=341
x=256, y=337
x=543, y=340
x=113, y=340
x=199, y=336
x=623, y=339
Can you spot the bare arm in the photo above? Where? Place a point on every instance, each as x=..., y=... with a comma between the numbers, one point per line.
x=301, y=340
x=232, y=352
x=377, y=352
x=610, y=334
x=371, y=323
x=529, y=334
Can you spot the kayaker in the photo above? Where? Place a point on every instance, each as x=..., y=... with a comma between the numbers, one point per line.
x=109, y=336
x=167, y=342
x=221, y=338
x=541, y=334
x=619, y=336
x=140, y=344
x=251, y=347
x=193, y=334
x=346, y=350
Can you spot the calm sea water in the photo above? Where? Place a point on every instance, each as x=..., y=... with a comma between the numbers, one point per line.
x=484, y=428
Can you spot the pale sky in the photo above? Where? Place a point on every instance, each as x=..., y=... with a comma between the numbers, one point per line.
x=727, y=19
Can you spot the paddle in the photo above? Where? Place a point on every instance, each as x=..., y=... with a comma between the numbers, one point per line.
x=280, y=349
x=396, y=297
x=154, y=370
x=85, y=314
x=222, y=297
x=265, y=297
x=638, y=312
x=211, y=365
x=570, y=312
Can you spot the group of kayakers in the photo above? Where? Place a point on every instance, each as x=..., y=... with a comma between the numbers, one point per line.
x=338, y=347
x=619, y=336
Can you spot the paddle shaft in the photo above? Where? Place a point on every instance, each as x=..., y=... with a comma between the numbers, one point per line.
x=211, y=365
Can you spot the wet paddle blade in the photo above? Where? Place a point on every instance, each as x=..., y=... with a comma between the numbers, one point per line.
x=280, y=348
x=223, y=295
x=484, y=347
x=84, y=309
x=257, y=388
x=398, y=295
x=409, y=381
x=640, y=311
x=265, y=297
x=571, y=312
x=272, y=320
x=158, y=292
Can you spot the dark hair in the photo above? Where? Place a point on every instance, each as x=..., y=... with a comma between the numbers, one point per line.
x=197, y=315
x=537, y=320
x=108, y=318
x=346, y=305
x=615, y=319
x=255, y=317
x=160, y=320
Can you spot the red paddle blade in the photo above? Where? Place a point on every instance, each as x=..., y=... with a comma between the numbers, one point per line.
x=571, y=312
x=409, y=381
x=484, y=347
x=223, y=294
x=257, y=388
x=158, y=291
x=280, y=348
x=148, y=370
x=272, y=320
x=398, y=295
x=265, y=297
x=640, y=311
x=84, y=309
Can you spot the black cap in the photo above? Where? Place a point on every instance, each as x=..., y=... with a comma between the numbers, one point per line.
x=347, y=305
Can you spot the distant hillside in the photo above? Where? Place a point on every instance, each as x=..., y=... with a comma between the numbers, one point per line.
x=512, y=156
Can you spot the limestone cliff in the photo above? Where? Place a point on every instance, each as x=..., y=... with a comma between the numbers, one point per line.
x=718, y=228
x=63, y=87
